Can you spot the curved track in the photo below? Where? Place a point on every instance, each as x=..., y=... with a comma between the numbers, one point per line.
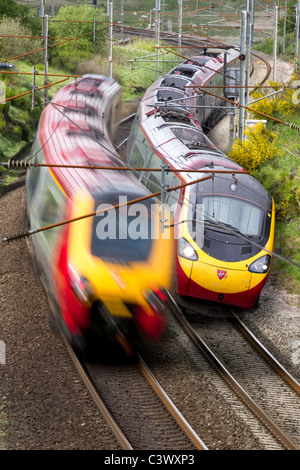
x=169, y=429
x=177, y=434
x=276, y=393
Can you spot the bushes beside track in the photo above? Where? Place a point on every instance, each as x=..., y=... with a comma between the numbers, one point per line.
x=272, y=155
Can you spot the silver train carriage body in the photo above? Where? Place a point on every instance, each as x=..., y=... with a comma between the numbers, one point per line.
x=99, y=282
x=224, y=225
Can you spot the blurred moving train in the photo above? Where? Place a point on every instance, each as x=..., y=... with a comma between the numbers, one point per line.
x=227, y=263
x=103, y=279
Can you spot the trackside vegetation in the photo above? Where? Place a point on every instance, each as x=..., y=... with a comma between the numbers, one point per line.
x=271, y=153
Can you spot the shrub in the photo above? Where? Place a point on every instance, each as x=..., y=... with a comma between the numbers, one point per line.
x=258, y=147
x=12, y=9
x=277, y=105
x=78, y=22
x=15, y=46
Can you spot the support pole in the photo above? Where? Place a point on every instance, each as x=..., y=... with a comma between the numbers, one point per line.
x=231, y=126
x=284, y=26
x=164, y=167
x=275, y=44
x=297, y=36
x=180, y=23
x=242, y=75
x=248, y=53
x=110, y=38
x=33, y=89
x=122, y=20
x=252, y=23
x=157, y=35
x=46, y=54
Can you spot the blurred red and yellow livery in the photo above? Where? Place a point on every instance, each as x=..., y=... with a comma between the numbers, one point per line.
x=105, y=279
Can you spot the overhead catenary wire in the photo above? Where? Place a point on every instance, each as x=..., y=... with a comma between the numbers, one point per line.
x=23, y=235
x=153, y=196
x=94, y=213
x=272, y=118
x=22, y=164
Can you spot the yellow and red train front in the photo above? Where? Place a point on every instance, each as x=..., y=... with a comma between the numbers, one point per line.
x=200, y=275
x=129, y=290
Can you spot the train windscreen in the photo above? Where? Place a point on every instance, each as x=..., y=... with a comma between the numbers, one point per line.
x=233, y=213
x=122, y=234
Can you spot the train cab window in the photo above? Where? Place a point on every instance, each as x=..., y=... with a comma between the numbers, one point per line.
x=235, y=213
x=122, y=235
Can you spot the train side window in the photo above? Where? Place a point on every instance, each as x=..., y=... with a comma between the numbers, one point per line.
x=50, y=207
x=172, y=196
x=133, y=135
x=140, y=156
x=34, y=172
x=153, y=184
x=137, y=160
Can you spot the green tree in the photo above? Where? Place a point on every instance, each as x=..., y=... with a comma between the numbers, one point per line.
x=12, y=9
x=78, y=22
x=15, y=46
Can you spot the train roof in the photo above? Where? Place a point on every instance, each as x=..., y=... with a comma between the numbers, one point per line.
x=72, y=131
x=165, y=123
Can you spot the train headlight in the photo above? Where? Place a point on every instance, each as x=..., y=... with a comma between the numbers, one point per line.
x=81, y=287
x=261, y=265
x=186, y=250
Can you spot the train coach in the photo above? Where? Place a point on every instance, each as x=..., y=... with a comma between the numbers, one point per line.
x=104, y=273
x=223, y=253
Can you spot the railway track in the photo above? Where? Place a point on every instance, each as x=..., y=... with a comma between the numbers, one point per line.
x=172, y=38
x=200, y=418
x=215, y=383
x=102, y=380
x=137, y=409
x=255, y=376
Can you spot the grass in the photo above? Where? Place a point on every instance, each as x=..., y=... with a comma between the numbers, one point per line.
x=18, y=122
x=287, y=275
x=134, y=66
x=281, y=177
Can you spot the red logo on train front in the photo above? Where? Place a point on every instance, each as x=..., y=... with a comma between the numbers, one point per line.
x=221, y=274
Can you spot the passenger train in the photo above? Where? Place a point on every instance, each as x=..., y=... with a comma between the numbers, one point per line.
x=105, y=279
x=223, y=253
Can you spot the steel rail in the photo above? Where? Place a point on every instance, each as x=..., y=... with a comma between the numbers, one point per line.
x=264, y=352
x=173, y=410
x=163, y=397
x=282, y=437
x=123, y=441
